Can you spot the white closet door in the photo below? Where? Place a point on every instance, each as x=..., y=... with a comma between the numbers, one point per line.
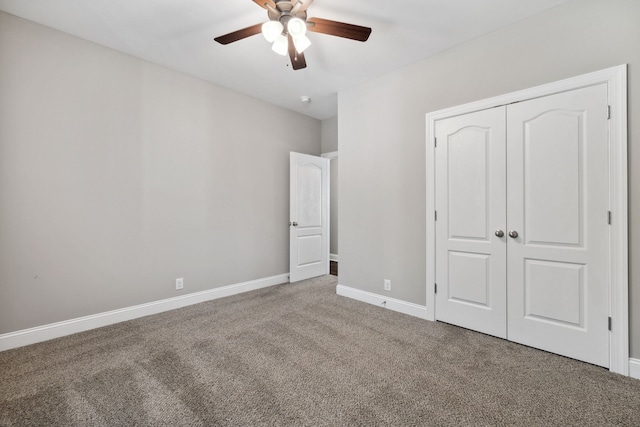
x=470, y=202
x=558, y=198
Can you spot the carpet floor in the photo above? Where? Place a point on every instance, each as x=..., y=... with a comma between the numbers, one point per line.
x=299, y=355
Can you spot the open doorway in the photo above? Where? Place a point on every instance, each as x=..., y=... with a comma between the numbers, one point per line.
x=329, y=149
x=333, y=213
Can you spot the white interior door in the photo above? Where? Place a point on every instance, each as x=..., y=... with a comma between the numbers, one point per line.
x=558, y=202
x=309, y=217
x=471, y=209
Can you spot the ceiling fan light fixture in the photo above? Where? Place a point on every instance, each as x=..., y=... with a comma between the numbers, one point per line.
x=296, y=27
x=271, y=30
x=281, y=45
x=301, y=43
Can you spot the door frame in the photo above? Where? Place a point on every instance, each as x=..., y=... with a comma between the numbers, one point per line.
x=616, y=80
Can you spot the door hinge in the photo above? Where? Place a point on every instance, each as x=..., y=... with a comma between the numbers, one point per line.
x=608, y=112
x=435, y=216
x=435, y=142
x=435, y=288
x=609, y=323
x=609, y=217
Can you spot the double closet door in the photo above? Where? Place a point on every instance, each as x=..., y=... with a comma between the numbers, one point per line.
x=522, y=231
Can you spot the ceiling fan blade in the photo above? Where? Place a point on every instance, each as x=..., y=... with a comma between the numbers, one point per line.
x=240, y=34
x=263, y=3
x=300, y=6
x=339, y=29
x=297, y=59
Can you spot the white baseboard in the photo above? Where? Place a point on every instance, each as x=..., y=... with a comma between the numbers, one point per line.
x=381, y=301
x=333, y=257
x=80, y=324
x=634, y=368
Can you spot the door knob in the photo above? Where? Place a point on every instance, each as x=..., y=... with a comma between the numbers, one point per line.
x=499, y=233
x=513, y=234
x=295, y=224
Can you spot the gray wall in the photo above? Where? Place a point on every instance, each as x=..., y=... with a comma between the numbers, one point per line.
x=382, y=133
x=117, y=176
x=329, y=137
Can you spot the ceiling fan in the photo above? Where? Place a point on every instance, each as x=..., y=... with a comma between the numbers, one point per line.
x=287, y=27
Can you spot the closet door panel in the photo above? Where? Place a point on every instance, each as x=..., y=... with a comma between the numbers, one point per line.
x=470, y=201
x=558, y=183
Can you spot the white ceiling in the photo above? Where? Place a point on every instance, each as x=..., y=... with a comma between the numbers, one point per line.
x=179, y=34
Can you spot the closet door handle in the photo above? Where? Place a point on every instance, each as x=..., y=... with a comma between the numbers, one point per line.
x=499, y=233
x=513, y=234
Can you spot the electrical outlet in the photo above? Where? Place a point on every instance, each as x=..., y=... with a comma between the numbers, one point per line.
x=387, y=285
x=179, y=283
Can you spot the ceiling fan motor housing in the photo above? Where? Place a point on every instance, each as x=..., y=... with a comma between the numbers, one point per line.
x=283, y=13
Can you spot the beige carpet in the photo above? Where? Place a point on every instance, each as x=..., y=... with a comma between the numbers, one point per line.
x=299, y=355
